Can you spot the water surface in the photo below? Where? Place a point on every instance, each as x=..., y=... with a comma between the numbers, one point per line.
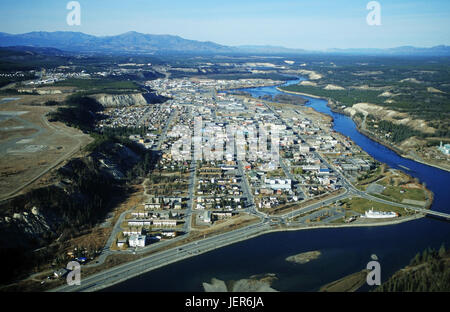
x=344, y=251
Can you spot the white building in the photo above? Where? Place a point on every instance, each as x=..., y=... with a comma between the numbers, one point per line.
x=169, y=223
x=206, y=216
x=136, y=240
x=444, y=148
x=278, y=184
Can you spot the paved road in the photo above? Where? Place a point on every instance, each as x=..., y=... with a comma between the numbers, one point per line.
x=135, y=268
x=287, y=172
x=190, y=204
x=163, y=135
x=347, y=184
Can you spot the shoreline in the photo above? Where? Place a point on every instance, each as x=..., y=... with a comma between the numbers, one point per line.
x=261, y=232
x=425, y=163
x=387, y=145
x=367, y=134
x=301, y=93
x=264, y=232
x=269, y=84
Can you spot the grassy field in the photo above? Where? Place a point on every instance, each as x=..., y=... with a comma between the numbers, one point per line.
x=361, y=205
x=398, y=193
x=278, y=173
x=99, y=85
x=344, y=97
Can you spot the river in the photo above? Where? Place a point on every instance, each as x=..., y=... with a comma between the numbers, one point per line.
x=344, y=251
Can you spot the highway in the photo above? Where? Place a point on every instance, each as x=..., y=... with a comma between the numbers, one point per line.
x=351, y=189
x=131, y=269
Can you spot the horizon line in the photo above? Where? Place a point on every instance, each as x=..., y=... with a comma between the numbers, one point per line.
x=235, y=46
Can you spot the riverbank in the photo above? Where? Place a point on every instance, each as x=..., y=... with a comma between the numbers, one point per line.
x=365, y=238
x=425, y=163
x=399, y=152
x=349, y=283
x=328, y=226
x=301, y=93
x=366, y=133
x=218, y=245
x=272, y=83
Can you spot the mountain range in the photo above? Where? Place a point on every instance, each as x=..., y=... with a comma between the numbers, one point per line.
x=134, y=42
x=130, y=42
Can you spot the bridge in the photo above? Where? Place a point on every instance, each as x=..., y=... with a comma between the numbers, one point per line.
x=431, y=212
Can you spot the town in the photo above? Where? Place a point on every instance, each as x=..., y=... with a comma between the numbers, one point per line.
x=225, y=156
x=221, y=165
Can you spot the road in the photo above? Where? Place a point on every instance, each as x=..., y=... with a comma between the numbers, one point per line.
x=287, y=172
x=54, y=164
x=163, y=135
x=190, y=204
x=135, y=268
x=350, y=188
x=131, y=269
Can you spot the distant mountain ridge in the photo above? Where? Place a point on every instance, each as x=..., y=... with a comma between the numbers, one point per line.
x=268, y=49
x=134, y=42
x=127, y=42
x=440, y=50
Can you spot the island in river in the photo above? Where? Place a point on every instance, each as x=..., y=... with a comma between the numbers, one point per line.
x=255, y=283
x=304, y=257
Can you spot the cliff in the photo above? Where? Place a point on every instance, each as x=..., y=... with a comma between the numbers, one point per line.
x=35, y=226
x=115, y=100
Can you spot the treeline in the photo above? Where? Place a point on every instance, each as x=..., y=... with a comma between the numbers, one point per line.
x=7, y=80
x=124, y=131
x=398, y=132
x=79, y=111
x=67, y=210
x=82, y=198
x=408, y=79
x=104, y=144
x=428, y=271
x=344, y=97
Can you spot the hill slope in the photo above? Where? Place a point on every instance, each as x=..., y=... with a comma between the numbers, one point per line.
x=134, y=42
x=127, y=42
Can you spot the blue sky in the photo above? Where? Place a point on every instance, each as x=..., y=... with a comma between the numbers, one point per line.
x=308, y=24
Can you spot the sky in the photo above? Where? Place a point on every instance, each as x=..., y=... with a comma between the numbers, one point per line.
x=305, y=24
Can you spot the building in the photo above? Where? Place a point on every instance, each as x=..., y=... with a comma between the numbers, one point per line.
x=206, y=216
x=444, y=148
x=170, y=234
x=278, y=184
x=167, y=222
x=136, y=240
x=140, y=222
x=129, y=232
x=121, y=243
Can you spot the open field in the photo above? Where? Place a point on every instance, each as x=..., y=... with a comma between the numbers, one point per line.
x=99, y=85
x=361, y=205
x=30, y=146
